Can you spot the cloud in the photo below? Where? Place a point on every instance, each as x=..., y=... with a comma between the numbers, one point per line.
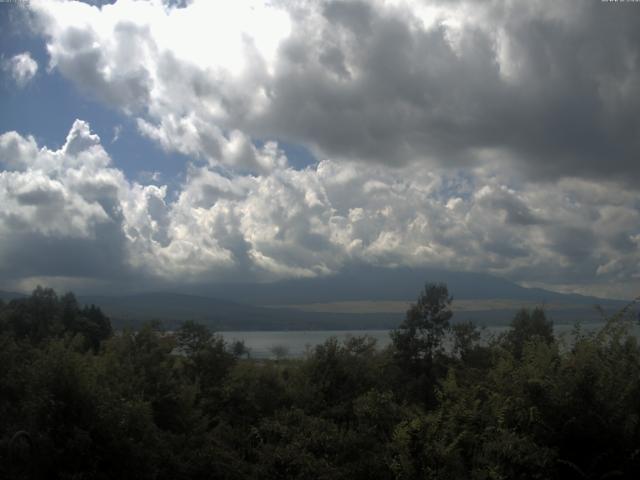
x=62, y=209
x=22, y=68
x=68, y=213
x=479, y=136
x=549, y=90
x=117, y=131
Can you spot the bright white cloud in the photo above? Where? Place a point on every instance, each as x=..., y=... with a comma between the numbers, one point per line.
x=72, y=202
x=22, y=68
x=183, y=71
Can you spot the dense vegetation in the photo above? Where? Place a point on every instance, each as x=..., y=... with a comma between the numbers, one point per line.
x=80, y=401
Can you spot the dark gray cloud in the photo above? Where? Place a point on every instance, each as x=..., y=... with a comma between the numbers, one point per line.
x=556, y=90
x=29, y=254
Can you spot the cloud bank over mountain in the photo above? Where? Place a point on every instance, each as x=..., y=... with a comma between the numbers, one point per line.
x=499, y=137
x=70, y=213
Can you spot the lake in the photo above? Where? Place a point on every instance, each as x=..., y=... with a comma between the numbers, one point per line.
x=296, y=343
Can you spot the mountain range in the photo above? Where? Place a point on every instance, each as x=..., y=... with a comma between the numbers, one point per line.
x=359, y=298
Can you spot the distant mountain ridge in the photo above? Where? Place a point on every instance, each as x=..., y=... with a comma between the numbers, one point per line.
x=7, y=296
x=222, y=315
x=244, y=306
x=374, y=283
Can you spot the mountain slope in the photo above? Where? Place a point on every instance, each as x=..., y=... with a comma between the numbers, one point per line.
x=7, y=296
x=319, y=303
x=372, y=283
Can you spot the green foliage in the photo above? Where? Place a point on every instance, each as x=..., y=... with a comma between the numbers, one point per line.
x=337, y=373
x=418, y=342
x=251, y=394
x=44, y=315
x=419, y=337
x=79, y=402
x=528, y=326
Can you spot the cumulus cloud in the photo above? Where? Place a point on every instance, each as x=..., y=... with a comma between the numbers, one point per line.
x=22, y=68
x=62, y=212
x=550, y=89
x=484, y=136
x=69, y=213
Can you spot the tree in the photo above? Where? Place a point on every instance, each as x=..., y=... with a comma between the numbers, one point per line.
x=207, y=361
x=193, y=337
x=338, y=372
x=240, y=349
x=466, y=337
x=279, y=351
x=44, y=315
x=94, y=325
x=527, y=326
x=418, y=340
x=419, y=337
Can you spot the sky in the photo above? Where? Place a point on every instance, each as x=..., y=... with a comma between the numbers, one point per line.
x=151, y=144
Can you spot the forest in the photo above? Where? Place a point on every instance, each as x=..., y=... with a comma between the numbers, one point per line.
x=79, y=400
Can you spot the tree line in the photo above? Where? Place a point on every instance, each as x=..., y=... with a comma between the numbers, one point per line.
x=80, y=401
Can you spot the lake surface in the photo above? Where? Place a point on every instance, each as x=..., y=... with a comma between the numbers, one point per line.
x=297, y=343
